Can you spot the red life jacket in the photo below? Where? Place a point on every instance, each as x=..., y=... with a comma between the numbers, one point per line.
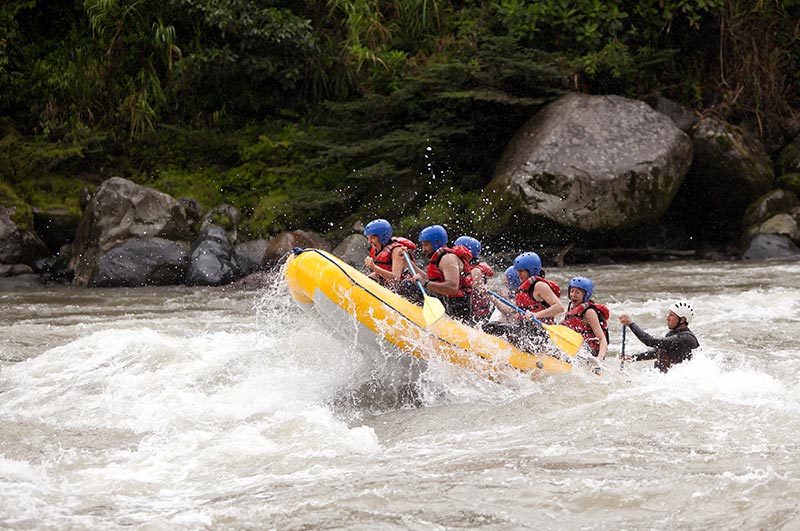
x=526, y=301
x=383, y=259
x=435, y=274
x=574, y=319
x=485, y=268
x=481, y=301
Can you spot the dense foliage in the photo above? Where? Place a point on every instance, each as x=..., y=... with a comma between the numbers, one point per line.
x=323, y=113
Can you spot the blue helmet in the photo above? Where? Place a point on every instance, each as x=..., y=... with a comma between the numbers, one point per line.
x=434, y=234
x=470, y=243
x=513, y=278
x=585, y=284
x=530, y=262
x=379, y=228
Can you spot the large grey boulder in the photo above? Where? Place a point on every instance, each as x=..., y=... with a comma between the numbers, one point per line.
x=280, y=245
x=119, y=210
x=353, y=250
x=768, y=205
x=585, y=165
x=249, y=255
x=789, y=159
x=683, y=117
x=19, y=244
x=771, y=246
x=731, y=169
x=226, y=216
x=141, y=262
x=213, y=260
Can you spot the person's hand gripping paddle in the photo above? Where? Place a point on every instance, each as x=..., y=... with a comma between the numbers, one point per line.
x=562, y=337
x=432, y=308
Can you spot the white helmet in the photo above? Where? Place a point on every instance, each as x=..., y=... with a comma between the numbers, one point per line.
x=682, y=309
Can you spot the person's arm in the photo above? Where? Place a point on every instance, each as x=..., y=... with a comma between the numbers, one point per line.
x=477, y=278
x=378, y=271
x=398, y=263
x=597, y=329
x=643, y=336
x=647, y=355
x=673, y=344
x=543, y=292
x=451, y=266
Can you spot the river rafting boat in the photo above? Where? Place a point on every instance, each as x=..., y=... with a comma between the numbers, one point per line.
x=352, y=304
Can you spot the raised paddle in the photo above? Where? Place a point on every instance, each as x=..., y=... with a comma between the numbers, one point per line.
x=432, y=308
x=564, y=338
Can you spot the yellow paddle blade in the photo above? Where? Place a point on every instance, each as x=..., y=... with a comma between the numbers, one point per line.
x=564, y=338
x=432, y=310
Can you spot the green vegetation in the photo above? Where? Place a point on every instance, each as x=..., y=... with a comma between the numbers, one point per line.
x=323, y=113
x=21, y=213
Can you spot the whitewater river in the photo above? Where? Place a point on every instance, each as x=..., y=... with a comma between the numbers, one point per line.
x=186, y=408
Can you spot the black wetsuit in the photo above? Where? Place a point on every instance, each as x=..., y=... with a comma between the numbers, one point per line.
x=673, y=348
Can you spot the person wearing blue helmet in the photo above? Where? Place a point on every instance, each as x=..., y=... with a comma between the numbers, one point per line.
x=538, y=297
x=502, y=312
x=587, y=317
x=448, y=275
x=481, y=271
x=536, y=294
x=385, y=260
x=513, y=281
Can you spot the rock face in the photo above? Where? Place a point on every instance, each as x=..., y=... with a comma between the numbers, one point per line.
x=586, y=165
x=55, y=226
x=769, y=221
x=249, y=255
x=121, y=210
x=353, y=250
x=278, y=246
x=18, y=245
x=769, y=246
x=213, y=260
x=768, y=205
x=141, y=262
x=731, y=169
x=789, y=160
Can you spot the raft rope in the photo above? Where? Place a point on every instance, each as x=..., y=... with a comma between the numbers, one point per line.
x=298, y=250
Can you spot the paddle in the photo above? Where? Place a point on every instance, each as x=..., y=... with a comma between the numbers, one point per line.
x=622, y=354
x=432, y=308
x=564, y=338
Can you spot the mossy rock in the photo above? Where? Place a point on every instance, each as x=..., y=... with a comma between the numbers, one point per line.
x=789, y=160
x=790, y=181
x=768, y=205
x=22, y=214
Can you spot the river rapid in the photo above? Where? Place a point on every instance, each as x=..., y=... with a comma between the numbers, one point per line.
x=186, y=408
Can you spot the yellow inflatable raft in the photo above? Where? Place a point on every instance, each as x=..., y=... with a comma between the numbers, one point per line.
x=346, y=299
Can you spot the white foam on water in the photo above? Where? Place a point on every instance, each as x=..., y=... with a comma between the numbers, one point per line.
x=200, y=410
x=268, y=419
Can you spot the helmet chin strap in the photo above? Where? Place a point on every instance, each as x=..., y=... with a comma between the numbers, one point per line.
x=681, y=320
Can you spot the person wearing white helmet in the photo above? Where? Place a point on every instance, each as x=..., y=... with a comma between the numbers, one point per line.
x=676, y=346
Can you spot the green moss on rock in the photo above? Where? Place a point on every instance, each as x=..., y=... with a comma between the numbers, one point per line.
x=724, y=142
x=22, y=214
x=789, y=160
x=790, y=181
